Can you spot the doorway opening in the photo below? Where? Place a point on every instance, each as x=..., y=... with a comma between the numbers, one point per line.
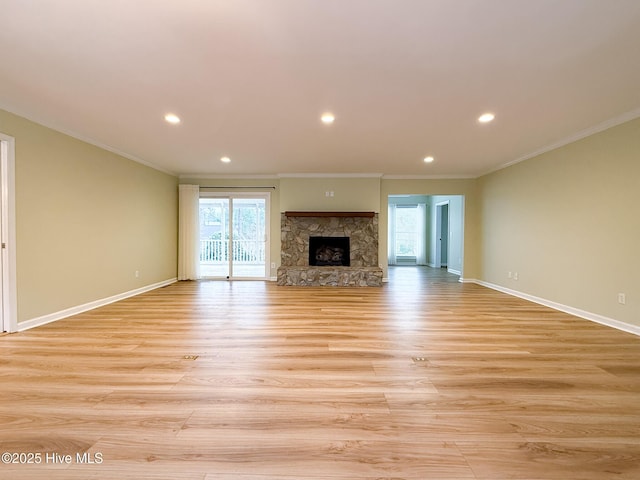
x=233, y=236
x=426, y=230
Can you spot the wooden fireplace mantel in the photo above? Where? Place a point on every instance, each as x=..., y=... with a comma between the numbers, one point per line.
x=330, y=214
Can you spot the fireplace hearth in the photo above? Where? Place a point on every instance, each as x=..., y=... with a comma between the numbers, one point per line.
x=329, y=251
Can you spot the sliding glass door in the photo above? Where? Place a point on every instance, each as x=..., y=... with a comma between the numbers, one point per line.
x=233, y=236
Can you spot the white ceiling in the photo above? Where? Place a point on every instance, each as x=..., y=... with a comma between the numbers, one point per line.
x=250, y=78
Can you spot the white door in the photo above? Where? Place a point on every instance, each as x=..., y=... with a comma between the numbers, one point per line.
x=7, y=236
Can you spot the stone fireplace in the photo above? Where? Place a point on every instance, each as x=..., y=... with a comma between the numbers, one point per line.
x=329, y=248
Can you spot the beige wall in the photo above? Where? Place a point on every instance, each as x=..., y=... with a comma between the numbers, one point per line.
x=86, y=220
x=567, y=223
x=349, y=194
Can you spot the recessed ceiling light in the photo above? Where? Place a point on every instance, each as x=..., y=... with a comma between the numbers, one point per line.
x=486, y=117
x=172, y=118
x=225, y=160
x=327, y=118
x=428, y=159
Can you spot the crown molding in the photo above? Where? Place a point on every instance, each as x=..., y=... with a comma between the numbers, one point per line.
x=330, y=175
x=607, y=124
x=88, y=140
x=601, y=127
x=205, y=176
x=428, y=177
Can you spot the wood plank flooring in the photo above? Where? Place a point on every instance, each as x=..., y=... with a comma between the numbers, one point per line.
x=425, y=378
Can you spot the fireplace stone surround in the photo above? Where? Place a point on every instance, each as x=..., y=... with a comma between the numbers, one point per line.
x=360, y=227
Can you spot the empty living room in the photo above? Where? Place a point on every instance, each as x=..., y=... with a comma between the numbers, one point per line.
x=320, y=240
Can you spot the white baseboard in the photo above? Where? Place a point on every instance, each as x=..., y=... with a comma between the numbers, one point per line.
x=594, y=317
x=52, y=317
x=610, y=322
x=455, y=272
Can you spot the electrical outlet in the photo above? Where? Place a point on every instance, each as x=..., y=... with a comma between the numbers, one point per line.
x=515, y=276
x=510, y=275
x=137, y=274
x=273, y=264
x=622, y=298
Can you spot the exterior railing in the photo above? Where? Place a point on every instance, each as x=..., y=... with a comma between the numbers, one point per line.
x=243, y=251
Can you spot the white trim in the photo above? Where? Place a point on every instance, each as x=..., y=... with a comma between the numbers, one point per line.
x=468, y=280
x=7, y=187
x=620, y=119
x=455, y=272
x=601, y=127
x=52, y=317
x=594, y=317
x=330, y=175
x=90, y=141
x=206, y=176
x=429, y=177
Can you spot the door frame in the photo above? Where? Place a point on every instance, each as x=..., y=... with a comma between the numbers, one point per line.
x=8, y=234
x=267, y=227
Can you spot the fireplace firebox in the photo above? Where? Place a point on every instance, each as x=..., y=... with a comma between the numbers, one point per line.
x=329, y=251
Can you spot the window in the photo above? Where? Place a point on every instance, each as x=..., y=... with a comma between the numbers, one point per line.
x=406, y=231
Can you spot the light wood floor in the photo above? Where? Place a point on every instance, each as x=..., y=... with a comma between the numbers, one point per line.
x=425, y=378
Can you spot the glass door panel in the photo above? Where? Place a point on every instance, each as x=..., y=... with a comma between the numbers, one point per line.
x=249, y=238
x=214, y=237
x=233, y=236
